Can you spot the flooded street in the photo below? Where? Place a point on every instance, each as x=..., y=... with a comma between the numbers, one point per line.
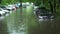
x=12, y=23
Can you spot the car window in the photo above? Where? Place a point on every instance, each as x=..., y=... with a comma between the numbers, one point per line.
x=45, y=13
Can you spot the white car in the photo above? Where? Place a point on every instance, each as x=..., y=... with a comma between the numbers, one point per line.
x=27, y=3
x=2, y=13
x=32, y=3
x=24, y=5
x=4, y=10
x=11, y=7
x=35, y=7
x=8, y=7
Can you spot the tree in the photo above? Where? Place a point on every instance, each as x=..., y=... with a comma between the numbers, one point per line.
x=0, y=1
x=55, y=8
x=4, y=2
x=51, y=6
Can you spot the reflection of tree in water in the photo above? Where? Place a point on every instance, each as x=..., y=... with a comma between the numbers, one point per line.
x=47, y=27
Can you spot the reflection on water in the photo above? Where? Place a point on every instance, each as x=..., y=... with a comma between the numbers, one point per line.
x=12, y=25
x=15, y=30
x=7, y=14
x=2, y=17
x=45, y=20
x=3, y=26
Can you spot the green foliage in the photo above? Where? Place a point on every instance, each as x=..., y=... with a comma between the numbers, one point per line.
x=5, y=2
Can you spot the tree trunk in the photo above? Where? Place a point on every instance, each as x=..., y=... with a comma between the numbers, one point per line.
x=54, y=8
x=0, y=1
x=51, y=6
x=21, y=10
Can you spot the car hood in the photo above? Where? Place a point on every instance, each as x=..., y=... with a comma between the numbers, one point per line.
x=2, y=12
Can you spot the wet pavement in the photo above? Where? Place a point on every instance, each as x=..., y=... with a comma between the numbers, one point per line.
x=12, y=24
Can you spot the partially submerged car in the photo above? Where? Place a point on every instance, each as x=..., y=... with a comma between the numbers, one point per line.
x=24, y=5
x=11, y=7
x=4, y=10
x=44, y=14
x=2, y=13
x=27, y=3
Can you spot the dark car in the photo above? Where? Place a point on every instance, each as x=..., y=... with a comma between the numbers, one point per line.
x=43, y=13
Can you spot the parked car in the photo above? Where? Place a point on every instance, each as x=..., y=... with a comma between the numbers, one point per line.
x=27, y=3
x=24, y=5
x=4, y=10
x=3, y=7
x=9, y=10
x=43, y=13
x=11, y=7
x=2, y=13
x=35, y=7
x=32, y=3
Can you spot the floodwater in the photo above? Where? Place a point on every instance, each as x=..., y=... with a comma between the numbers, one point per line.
x=12, y=23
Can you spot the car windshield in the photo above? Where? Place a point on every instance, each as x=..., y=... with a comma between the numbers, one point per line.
x=45, y=13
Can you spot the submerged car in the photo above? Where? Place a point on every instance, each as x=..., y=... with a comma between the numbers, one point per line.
x=24, y=5
x=3, y=7
x=44, y=14
x=4, y=10
x=2, y=13
x=35, y=7
x=11, y=7
x=27, y=3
